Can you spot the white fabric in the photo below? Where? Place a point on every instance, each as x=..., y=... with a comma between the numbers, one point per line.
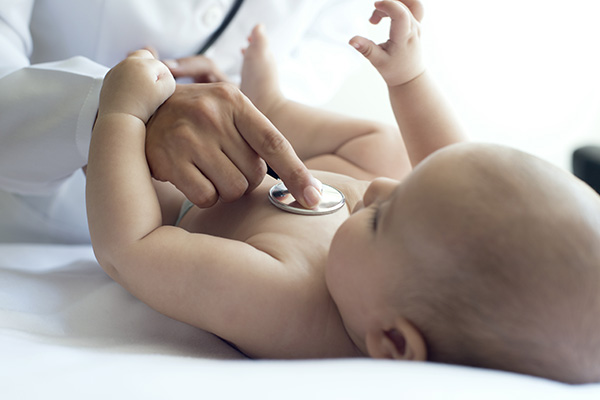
x=57, y=217
x=68, y=331
x=54, y=54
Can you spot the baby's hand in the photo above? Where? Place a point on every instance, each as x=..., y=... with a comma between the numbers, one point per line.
x=137, y=86
x=399, y=59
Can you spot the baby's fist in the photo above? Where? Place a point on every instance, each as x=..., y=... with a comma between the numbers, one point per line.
x=138, y=85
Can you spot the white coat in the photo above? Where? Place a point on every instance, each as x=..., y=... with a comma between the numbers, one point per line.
x=54, y=54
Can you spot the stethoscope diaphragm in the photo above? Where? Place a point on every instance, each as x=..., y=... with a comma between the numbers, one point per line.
x=331, y=200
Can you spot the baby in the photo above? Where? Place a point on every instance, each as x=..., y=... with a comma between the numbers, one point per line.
x=481, y=255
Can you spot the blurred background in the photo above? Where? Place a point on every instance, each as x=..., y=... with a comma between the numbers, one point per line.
x=521, y=73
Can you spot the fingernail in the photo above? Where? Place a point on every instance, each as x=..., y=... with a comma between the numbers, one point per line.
x=171, y=64
x=312, y=196
x=316, y=184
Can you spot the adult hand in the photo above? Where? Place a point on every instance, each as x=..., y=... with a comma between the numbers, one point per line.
x=199, y=68
x=210, y=142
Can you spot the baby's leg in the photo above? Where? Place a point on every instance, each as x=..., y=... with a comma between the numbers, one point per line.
x=259, y=72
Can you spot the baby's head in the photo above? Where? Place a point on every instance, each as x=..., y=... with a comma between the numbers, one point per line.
x=484, y=256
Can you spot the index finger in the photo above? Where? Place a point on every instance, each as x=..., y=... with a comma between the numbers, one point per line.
x=276, y=150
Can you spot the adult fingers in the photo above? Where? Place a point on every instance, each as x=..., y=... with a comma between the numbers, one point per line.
x=194, y=132
x=247, y=161
x=195, y=186
x=275, y=149
x=229, y=182
x=200, y=68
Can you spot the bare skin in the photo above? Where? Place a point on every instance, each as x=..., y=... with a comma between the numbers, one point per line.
x=245, y=270
x=478, y=245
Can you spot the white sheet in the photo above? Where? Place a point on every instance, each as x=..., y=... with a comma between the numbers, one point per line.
x=67, y=331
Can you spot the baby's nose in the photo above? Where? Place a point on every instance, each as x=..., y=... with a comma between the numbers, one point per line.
x=379, y=190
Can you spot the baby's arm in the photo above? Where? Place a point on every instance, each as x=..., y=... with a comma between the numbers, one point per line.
x=323, y=140
x=425, y=119
x=228, y=287
x=132, y=91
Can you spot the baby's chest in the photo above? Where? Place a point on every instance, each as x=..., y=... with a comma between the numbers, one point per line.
x=254, y=220
x=255, y=217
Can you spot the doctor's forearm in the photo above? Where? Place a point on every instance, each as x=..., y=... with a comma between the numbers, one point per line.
x=46, y=117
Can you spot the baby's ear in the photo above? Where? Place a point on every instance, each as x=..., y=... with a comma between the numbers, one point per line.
x=401, y=341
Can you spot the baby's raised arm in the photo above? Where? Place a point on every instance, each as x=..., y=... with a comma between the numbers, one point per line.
x=425, y=119
x=131, y=92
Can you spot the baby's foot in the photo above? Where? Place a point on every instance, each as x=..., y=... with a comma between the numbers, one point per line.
x=259, y=73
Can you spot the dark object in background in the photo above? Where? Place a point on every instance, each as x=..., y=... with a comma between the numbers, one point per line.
x=226, y=21
x=586, y=165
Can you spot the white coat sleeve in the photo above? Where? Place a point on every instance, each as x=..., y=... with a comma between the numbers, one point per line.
x=323, y=58
x=46, y=110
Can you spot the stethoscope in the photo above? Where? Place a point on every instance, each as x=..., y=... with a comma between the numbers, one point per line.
x=331, y=198
x=226, y=21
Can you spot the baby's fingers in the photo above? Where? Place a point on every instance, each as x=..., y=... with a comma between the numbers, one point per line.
x=396, y=9
x=416, y=8
x=372, y=52
x=142, y=53
x=377, y=17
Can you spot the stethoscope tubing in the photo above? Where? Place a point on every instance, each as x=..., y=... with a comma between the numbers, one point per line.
x=226, y=21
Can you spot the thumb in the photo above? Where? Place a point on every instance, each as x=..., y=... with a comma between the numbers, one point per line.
x=371, y=51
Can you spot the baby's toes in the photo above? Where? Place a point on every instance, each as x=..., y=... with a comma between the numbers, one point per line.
x=259, y=42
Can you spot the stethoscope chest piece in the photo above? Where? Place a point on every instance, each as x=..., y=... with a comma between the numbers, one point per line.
x=331, y=200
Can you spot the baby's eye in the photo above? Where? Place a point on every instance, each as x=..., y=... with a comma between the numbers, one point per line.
x=374, y=217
